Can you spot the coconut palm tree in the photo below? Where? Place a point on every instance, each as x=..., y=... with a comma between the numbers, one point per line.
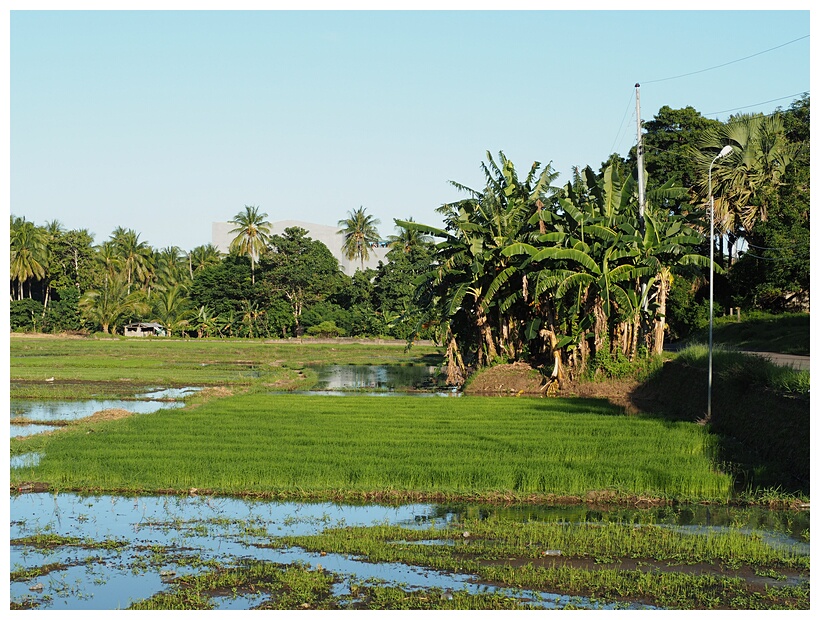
x=744, y=182
x=170, y=267
x=136, y=256
x=360, y=233
x=29, y=253
x=107, y=258
x=408, y=238
x=171, y=308
x=252, y=235
x=106, y=305
x=202, y=256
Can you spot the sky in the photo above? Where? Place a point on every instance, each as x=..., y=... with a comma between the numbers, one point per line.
x=164, y=121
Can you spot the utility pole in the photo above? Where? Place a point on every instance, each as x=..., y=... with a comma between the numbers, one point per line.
x=641, y=195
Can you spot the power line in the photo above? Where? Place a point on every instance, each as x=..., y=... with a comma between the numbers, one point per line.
x=782, y=248
x=756, y=104
x=675, y=77
x=618, y=136
x=775, y=259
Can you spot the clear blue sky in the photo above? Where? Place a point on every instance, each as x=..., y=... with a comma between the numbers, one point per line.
x=166, y=121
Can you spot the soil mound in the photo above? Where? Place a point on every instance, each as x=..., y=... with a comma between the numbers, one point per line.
x=515, y=378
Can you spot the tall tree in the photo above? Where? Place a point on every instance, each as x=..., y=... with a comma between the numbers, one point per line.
x=171, y=267
x=202, y=256
x=360, y=234
x=108, y=304
x=171, y=308
x=408, y=238
x=300, y=270
x=135, y=255
x=772, y=271
x=29, y=254
x=745, y=182
x=252, y=232
x=667, y=141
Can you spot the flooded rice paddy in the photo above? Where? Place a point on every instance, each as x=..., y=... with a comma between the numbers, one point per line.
x=133, y=547
x=42, y=412
x=416, y=380
x=75, y=552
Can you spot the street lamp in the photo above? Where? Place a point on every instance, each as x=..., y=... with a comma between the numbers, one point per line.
x=723, y=153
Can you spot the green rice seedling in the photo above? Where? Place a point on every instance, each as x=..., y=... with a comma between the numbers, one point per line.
x=513, y=555
x=302, y=446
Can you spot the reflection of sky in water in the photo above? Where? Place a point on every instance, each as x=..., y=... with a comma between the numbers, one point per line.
x=66, y=410
x=375, y=377
x=75, y=410
x=30, y=459
x=25, y=430
x=214, y=528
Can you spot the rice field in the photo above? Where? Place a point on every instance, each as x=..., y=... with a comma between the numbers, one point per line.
x=61, y=368
x=313, y=446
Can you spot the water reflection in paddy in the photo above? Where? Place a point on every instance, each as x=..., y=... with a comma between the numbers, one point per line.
x=227, y=530
x=378, y=378
x=68, y=410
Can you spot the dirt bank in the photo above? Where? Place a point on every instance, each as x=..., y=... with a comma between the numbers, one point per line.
x=521, y=379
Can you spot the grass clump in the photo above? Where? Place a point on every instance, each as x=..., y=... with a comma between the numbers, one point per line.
x=611, y=563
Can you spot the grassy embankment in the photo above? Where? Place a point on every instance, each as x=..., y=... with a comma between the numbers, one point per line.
x=782, y=333
x=298, y=446
x=760, y=414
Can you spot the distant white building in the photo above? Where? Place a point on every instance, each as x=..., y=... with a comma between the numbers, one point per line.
x=329, y=235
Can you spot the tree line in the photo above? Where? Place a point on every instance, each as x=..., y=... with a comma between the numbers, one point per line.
x=576, y=276
x=266, y=286
x=569, y=276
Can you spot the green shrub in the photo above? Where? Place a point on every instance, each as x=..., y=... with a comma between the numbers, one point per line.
x=26, y=315
x=325, y=329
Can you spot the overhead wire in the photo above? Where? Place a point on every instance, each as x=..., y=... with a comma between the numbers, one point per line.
x=675, y=77
x=626, y=111
x=756, y=104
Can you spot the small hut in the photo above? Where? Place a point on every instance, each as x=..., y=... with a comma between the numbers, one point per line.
x=144, y=329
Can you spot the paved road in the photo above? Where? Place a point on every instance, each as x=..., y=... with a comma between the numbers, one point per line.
x=798, y=362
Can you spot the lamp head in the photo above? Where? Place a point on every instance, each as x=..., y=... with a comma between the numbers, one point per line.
x=725, y=151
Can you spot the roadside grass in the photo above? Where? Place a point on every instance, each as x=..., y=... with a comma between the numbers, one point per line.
x=322, y=447
x=730, y=364
x=758, y=331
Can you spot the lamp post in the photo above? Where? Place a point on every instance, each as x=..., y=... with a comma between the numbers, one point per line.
x=723, y=153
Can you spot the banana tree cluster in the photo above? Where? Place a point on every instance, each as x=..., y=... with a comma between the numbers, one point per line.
x=524, y=270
